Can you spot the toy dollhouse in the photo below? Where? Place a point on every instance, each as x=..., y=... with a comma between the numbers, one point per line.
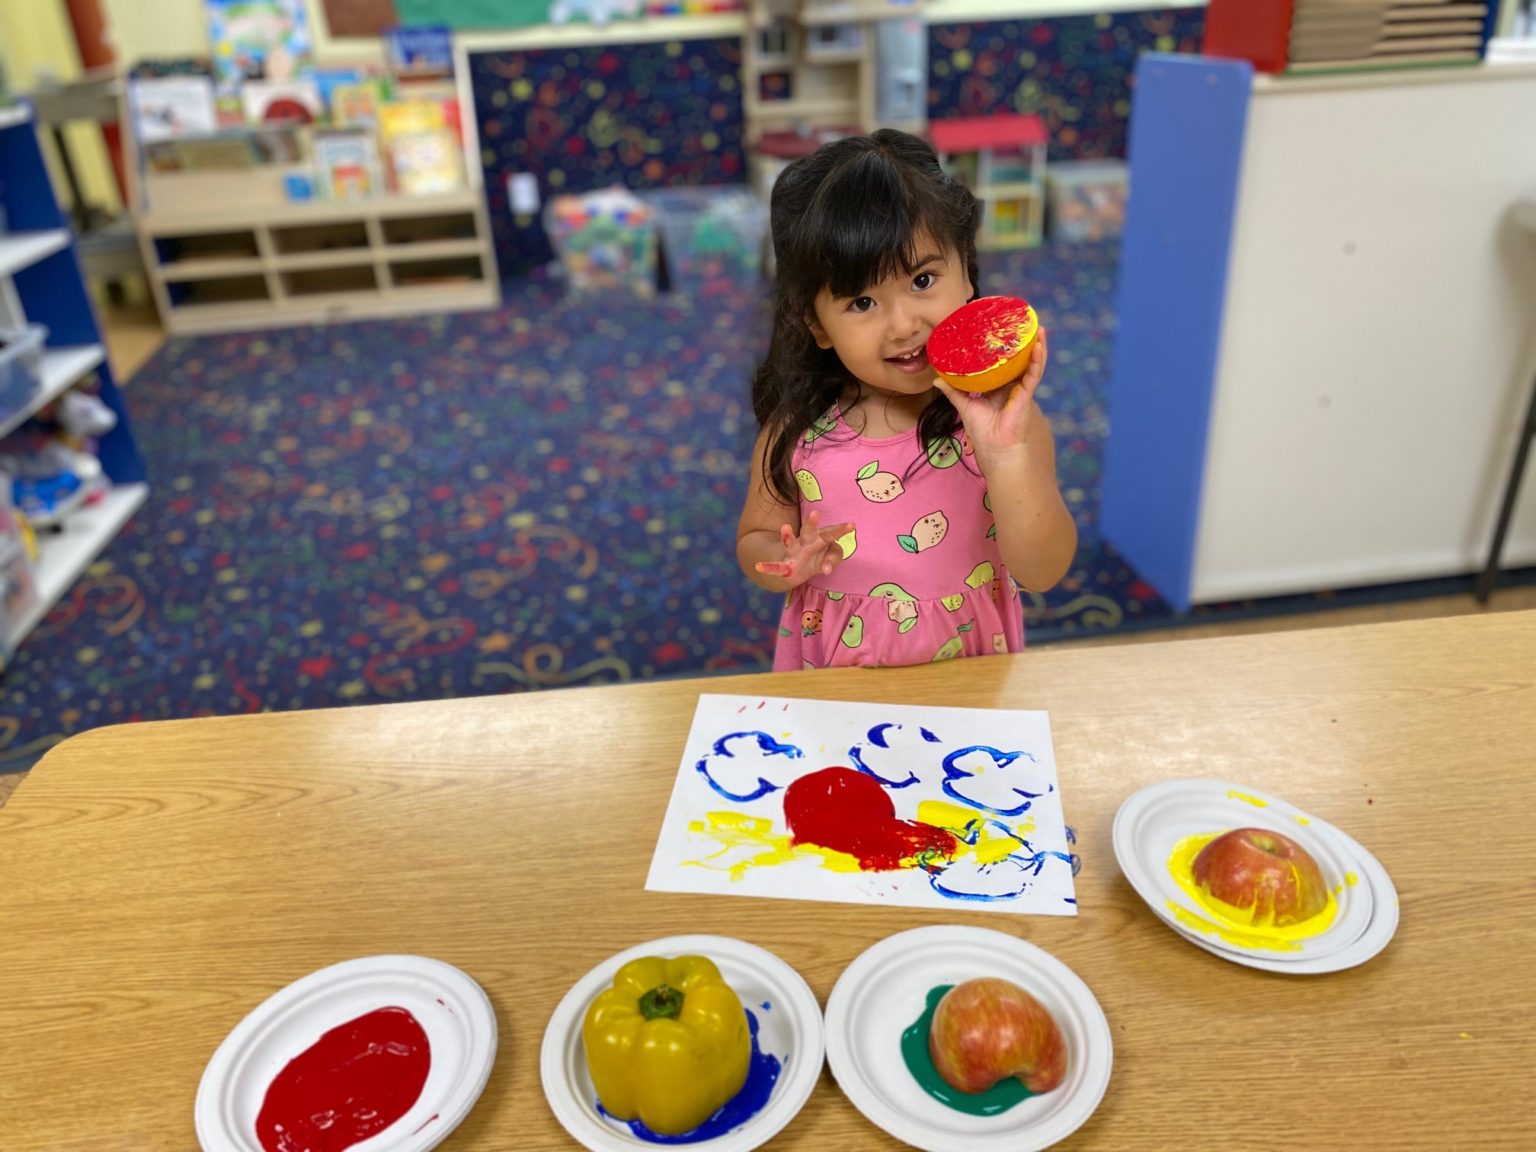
x=1002, y=160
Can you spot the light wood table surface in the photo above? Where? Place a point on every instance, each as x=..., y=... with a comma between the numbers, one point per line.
x=158, y=881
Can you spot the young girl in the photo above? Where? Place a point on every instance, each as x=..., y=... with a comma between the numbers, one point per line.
x=896, y=512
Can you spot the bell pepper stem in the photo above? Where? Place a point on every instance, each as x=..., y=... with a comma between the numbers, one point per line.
x=661, y=1003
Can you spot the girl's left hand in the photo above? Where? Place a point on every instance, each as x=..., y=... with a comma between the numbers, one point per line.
x=996, y=421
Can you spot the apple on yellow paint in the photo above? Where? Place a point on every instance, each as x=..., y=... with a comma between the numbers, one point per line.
x=1263, y=873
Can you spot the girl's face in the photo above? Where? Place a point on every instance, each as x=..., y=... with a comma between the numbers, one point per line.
x=881, y=334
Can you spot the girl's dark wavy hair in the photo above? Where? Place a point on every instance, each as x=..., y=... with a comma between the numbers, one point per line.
x=844, y=218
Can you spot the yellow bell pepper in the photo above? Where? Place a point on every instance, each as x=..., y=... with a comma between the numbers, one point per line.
x=667, y=1044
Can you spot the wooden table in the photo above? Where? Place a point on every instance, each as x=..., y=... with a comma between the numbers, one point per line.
x=157, y=881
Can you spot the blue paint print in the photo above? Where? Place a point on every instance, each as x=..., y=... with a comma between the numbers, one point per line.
x=996, y=874
x=876, y=736
x=1006, y=879
x=1037, y=861
x=855, y=754
x=766, y=1006
x=1000, y=758
x=766, y=744
x=974, y=828
x=1071, y=834
x=762, y=1075
x=930, y=737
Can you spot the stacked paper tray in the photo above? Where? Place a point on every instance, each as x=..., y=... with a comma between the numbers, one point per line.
x=1340, y=34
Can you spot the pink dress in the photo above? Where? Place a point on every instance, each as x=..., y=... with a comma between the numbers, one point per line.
x=921, y=578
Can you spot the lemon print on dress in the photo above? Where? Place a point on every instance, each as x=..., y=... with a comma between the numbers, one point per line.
x=952, y=647
x=853, y=632
x=809, y=488
x=985, y=576
x=926, y=533
x=952, y=603
x=849, y=543
x=881, y=487
x=986, y=502
x=902, y=608
x=820, y=427
x=943, y=452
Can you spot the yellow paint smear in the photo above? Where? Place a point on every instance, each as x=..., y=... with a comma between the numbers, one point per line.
x=1302, y=820
x=1247, y=799
x=992, y=844
x=754, y=842
x=765, y=846
x=1235, y=925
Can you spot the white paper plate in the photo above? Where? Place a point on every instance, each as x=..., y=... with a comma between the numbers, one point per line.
x=789, y=1028
x=452, y=1009
x=885, y=990
x=1383, y=925
x=1156, y=818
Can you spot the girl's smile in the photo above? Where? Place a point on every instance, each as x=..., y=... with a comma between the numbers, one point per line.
x=881, y=335
x=914, y=363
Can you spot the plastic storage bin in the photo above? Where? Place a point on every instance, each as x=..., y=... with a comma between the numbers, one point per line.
x=605, y=241
x=1085, y=199
x=21, y=367
x=710, y=234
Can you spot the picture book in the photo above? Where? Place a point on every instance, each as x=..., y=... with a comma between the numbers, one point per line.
x=170, y=107
x=419, y=52
x=346, y=163
x=257, y=39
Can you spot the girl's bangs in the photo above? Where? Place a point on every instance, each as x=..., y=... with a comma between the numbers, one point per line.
x=869, y=222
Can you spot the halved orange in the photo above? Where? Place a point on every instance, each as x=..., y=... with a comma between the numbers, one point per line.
x=984, y=344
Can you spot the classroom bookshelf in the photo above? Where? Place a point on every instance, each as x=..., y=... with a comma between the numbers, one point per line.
x=41, y=283
x=227, y=251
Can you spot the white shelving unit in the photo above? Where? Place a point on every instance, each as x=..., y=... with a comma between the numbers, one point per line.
x=64, y=556
x=62, y=368
x=40, y=283
x=21, y=250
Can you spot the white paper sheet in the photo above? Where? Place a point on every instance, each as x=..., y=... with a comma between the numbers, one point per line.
x=987, y=777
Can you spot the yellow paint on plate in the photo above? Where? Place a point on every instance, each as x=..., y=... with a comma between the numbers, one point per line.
x=1301, y=819
x=1247, y=799
x=1236, y=925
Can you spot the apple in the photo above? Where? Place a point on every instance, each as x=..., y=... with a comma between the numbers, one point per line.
x=986, y=1030
x=1262, y=871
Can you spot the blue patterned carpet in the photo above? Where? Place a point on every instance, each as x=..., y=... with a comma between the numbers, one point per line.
x=540, y=496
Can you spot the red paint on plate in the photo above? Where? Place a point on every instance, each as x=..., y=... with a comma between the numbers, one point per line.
x=352, y=1083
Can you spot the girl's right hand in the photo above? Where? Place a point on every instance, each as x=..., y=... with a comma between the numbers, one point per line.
x=814, y=551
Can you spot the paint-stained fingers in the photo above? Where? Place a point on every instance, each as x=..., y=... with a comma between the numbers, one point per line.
x=775, y=568
x=835, y=532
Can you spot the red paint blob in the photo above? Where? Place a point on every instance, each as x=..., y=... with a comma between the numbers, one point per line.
x=978, y=335
x=850, y=812
x=355, y=1081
